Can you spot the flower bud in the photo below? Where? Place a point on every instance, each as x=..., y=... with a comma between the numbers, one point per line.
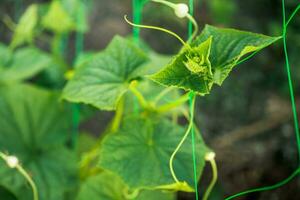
x=12, y=161
x=181, y=10
x=210, y=156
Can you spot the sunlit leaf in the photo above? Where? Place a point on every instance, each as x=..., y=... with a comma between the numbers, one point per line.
x=25, y=29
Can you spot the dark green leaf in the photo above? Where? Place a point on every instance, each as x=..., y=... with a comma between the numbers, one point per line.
x=140, y=152
x=23, y=64
x=34, y=127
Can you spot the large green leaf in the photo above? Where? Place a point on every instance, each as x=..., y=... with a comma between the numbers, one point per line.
x=108, y=186
x=22, y=64
x=191, y=70
x=25, y=30
x=140, y=152
x=57, y=19
x=34, y=127
x=103, y=80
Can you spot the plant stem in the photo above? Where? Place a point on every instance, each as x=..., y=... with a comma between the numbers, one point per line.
x=191, y=123
x=162, y=94
x=139, y=96
x=170, y=106
x=132, y=195
x=23, y=172
x=213, y=180
x=118, y=116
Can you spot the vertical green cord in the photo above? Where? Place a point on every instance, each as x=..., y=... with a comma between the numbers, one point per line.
x=291, y=88
x=191, y=99
x=79, y=41
x=137, y=17
x=294, y=109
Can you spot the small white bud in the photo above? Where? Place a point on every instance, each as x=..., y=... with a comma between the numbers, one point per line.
x=210, y=156
x=12, y=161
x=181, y=10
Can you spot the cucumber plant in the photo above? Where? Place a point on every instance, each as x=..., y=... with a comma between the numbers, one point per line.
x=145, y=152
x=144, y=147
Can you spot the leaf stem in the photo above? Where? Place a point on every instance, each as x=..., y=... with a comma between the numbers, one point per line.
x=23, y=172
x=118, y=116
x=131, y=195
x=162, y=94
x=174, y=104
x=190, y=17
x=156, y=28
x=136, y=92
x=211, y=158
x=191, y=123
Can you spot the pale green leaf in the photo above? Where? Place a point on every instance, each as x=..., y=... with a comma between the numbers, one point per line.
x=140, y=152
x=34, y=127
x=25, y=29
x=23, y=64
x=57, y=19
x=104, y=79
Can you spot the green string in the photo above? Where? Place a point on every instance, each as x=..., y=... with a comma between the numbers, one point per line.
x=294, y=109
x=191, y=105
x=75, y=108
x=137, y=18
x=137, y=7
x=288, y=70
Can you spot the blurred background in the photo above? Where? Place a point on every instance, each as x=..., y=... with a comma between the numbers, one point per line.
x=248, y=122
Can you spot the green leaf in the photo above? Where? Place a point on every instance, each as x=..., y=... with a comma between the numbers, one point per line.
x=34, y=127
x=189, y=70
x=6, y=195
x=23, y=64
x=104, y=79
x=25, y=30
x=140, y=152
x=57, y=19
x=107, y=186
x=78, y=10
x=227, y=47
x=5, y=56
